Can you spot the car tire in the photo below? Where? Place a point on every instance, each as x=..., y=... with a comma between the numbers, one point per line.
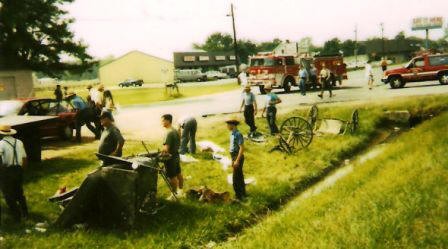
x=443, y=78
x=262, y=91
x=67, y=132
x=396, y=82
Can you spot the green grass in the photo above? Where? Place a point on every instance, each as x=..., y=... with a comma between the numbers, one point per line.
x=189, y=224
x=135, y=96
x=398, y=200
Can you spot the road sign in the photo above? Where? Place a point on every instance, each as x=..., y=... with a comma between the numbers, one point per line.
x=425, y=23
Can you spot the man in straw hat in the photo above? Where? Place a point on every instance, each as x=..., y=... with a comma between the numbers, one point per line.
x=271, y=110
x=237, y=154
x=13, y=160
x=249, y=104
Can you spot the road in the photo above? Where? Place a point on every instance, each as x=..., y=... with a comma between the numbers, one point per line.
x=143, y=122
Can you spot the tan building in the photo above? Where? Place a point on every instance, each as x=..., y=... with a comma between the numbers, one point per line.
x=16, y=84
x=137, y=65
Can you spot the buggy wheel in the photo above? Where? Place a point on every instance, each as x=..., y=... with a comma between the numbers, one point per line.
x=312, y=115
x=297, y=133
x=354, y=123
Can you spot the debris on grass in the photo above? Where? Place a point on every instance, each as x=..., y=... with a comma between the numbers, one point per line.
x=330, y=126
x=188, y=159
x=209, y=146
x=247, y=181
x=204, y=194
x=225, y=161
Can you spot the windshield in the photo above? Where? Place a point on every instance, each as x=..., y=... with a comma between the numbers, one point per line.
x=409, y=64
x=262, y=62
x=10, y=107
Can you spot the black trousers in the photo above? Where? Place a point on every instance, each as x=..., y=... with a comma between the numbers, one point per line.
x=271, y=117
x=87, y=117
x=249, y=117
x=238, y=178
x=326, y=85
x=11, y=180
x=188, y=137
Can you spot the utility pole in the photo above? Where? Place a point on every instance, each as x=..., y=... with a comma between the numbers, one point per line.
x=382, y=37
x=356, y=46
x=235, y=43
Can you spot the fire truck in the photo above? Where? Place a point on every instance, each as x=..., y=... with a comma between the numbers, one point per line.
x=281, y=71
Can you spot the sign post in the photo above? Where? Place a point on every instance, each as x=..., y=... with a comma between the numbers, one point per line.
x=427, y=23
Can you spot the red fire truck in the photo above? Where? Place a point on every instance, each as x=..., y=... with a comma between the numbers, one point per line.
x=281, y=71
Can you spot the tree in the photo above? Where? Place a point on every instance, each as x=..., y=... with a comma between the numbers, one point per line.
x=34, y=34
x=268, y=46
x=348, y=47
x=217, y=42
x=245, y=49
x=332, y=46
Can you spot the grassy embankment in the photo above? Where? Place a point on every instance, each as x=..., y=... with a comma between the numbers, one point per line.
x=188, y=223
x=398, y=200
x=135, y=96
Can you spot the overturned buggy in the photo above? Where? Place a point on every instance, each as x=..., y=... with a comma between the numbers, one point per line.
x=112, y=195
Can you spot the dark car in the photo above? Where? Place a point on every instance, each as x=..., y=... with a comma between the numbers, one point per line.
x=63, y=128
x=131, y=82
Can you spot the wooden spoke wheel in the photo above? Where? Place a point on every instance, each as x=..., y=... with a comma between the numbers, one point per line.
x=297, y=133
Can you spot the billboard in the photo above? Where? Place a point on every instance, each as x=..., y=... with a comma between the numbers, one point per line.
x=423, y=23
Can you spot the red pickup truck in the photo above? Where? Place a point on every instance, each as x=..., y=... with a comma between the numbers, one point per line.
x=422, y=68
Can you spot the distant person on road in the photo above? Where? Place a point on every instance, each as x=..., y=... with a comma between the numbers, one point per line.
x=237, y=154
x=313, y=76
x=58, y=93
x=249, y=104
x=13, y=161
x=271, y=110
x=303, y=78
x=383, y=64
x=171, y=144
x=369, y=75
x=242, y=77
x=187, y=130
x=325, y=81
x=111, y=141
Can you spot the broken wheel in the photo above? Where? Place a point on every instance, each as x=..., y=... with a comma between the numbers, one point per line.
x=297, y=133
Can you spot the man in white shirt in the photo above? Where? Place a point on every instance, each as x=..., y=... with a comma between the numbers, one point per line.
x=369, y=74
x=242, y=77
x=13, y=160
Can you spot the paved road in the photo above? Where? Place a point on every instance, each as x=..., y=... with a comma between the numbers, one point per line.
x=143, y=122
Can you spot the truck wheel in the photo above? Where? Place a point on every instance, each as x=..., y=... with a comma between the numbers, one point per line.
x=396, y=82
x=262, y=91
x=67, y=133
x=287, y=85
x=443, y=78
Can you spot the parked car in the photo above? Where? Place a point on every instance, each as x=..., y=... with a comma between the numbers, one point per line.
x=216, y=75
x=63, y=128
x=189, y=75
x=421, y=68
x=131, y=82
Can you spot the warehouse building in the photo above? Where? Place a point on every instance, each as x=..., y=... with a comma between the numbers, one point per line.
x=16, y=84
x=137, y=65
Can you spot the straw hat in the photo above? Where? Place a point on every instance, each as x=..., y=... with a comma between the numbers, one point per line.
x=7, y=130
x=100, y=87
x=233, y=121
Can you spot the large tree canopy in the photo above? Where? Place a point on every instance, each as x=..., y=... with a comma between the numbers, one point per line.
x=34, y=34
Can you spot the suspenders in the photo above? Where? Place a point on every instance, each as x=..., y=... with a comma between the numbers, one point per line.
x=15, y=161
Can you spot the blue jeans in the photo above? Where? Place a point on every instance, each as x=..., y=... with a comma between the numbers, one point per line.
x=302, y=83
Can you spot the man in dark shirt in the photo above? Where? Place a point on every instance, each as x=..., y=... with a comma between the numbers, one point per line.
x=236, y=149
x=171, y=147
x=58, y=93
x=111, y=141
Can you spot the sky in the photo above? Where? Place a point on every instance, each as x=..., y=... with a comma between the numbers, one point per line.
x=161, y=27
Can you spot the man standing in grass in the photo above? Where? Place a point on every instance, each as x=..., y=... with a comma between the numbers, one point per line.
x=13, y=160
x=187, y=128
x=369, y=75
x=325, y=81
x=58, y=93
x=271, y=110
x=237, y=153
x=249, y=104
x=111, y=141
x=171, y=148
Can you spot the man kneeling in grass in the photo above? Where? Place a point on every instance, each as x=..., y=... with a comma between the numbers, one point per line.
x=171, y=147
x=237, y=153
